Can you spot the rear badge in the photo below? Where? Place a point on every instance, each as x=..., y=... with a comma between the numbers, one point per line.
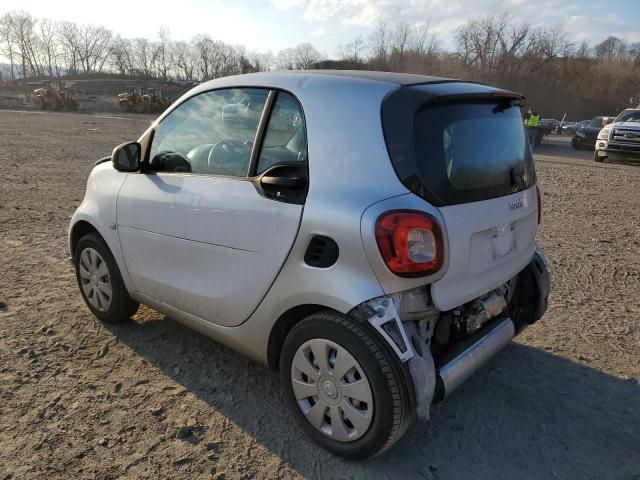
x=515, y=204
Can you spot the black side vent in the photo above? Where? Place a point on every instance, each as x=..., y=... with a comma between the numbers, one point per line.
x=322, y=252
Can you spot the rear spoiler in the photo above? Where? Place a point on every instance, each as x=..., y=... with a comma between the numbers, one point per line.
x=488, y=96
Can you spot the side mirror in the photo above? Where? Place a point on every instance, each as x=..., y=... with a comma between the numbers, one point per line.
x=126, y=157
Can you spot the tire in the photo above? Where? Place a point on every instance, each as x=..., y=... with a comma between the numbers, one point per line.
x=597, y=158
x=391, y=409
x=117, y=308
x=124, y=106
x=575, y=143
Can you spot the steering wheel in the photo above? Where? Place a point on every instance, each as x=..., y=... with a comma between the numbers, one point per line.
x=228, y=157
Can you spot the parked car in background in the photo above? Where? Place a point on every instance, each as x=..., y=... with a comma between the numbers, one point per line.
x=548, y=125
x=375, y=243
x=621, y=138
x=585, y=137
x=572, y=127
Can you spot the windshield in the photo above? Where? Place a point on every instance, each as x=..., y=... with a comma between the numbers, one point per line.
x=629, y=116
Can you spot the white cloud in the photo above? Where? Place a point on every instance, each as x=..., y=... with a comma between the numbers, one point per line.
x=318, y=32
x=580, y=19
x=369, y=15
x=287, y=4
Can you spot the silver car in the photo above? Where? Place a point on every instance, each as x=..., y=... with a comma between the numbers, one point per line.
x=376, y=250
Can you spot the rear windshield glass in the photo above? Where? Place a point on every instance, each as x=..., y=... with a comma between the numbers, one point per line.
x=466, y=152
x=597, y=122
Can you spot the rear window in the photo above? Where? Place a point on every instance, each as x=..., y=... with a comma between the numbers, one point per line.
x=467, y=150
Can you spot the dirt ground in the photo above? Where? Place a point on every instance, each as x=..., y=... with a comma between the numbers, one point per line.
x=83, y=400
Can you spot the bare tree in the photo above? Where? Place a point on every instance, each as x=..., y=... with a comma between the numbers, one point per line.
x=94, y=46
x=122, y=56
x=48, y=42
x=142, y=56
x=610, y=49
x=284, y=59
x=185, y=58
x=352, y=51
x=21, y=30
x=8, y=47
x=304, y=55
x=378, y=43
x=164, y=57
x=69, y=37
x=399, y=43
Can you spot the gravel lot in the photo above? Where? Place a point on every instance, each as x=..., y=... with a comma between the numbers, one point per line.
x=83, y=400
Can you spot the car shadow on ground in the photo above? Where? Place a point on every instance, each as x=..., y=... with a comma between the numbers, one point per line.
x=527, y=414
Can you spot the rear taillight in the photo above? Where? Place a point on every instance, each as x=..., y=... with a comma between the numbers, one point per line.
x=410, y=243
x=539, y=196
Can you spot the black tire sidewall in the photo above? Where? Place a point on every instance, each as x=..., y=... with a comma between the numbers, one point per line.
x=375, y=439
x=122, y=307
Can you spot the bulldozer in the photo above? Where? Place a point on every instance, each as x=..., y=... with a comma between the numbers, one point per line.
x=52, y=97
x=158, y=103
x=134, y=100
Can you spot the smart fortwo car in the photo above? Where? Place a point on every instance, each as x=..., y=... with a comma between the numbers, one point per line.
x=370, y=235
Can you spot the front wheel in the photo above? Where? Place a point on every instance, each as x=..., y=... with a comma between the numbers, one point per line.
x=344, y=386
x=100, y=281
x=597, y=158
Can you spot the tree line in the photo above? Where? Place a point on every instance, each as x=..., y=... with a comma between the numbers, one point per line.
x=555, y=72
x=37, y=47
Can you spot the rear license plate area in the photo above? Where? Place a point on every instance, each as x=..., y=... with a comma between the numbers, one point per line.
x=503, y=240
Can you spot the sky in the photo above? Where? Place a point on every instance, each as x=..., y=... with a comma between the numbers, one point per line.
x=271, y=25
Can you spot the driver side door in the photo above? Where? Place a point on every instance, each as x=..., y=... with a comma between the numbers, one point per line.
x=195, y=232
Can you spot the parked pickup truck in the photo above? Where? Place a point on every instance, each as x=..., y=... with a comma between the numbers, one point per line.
x=621, y=138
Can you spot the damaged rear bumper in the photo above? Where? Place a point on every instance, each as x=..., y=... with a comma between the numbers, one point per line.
x=411, y=340
x=470, y=356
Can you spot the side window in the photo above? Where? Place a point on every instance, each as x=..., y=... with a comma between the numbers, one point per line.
x=211, y=133
x=285, y=139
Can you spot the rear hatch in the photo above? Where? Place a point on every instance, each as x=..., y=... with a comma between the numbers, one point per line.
x=462, y=148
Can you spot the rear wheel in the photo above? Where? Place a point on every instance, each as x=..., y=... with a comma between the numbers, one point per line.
x=345, y=387
x=100, y=281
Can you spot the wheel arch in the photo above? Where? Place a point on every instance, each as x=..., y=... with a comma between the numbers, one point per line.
x=79, y=230
x=283, y=326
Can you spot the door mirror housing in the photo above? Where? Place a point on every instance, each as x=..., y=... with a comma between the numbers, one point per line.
x=126, y=157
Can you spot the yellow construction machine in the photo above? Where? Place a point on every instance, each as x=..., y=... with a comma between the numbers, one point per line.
x=158, y=103
x=134, y=100
x=52, y=97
